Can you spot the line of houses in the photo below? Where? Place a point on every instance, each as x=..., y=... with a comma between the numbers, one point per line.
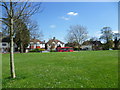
x=50, y=44
x=34, y=44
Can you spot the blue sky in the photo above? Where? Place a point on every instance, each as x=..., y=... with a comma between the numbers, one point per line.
x=56, y=17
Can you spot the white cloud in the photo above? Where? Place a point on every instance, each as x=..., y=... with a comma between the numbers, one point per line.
x=65, y=18
x=115, y=31
x=52, y=26
x=72, y=13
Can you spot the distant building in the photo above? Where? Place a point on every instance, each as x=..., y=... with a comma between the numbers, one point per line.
x=54, y=43
x=73, y=44
x=92, y=45
x=86, y=47
x=36, y=44
x=5, y=45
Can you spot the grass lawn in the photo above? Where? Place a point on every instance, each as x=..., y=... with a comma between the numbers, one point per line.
x=85, y=69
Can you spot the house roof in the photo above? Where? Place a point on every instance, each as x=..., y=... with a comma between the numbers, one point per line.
x=6, y=39
x=36, y=40
x=54, y=40
x=92, y=42
x=72, y=44
x=0, y=33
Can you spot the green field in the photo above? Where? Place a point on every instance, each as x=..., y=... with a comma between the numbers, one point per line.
x=85, y=69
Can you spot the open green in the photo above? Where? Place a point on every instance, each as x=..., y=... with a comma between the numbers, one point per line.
x=84, y=69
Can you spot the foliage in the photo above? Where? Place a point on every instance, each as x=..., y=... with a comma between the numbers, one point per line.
x=76, y=49
x=52, y=50
x=85, y=69
x=108, y=45
x=72, y=44
x=116, y=41
x=37, y=50
x=107, y=34
x=22, y=36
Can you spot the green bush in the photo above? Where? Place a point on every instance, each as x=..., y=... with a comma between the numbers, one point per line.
x=41, y=49
x=76, y=49
x=52, y=50
x=37, y=50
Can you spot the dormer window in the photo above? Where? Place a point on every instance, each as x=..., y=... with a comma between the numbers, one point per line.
x=53, y=42
x=4, y=44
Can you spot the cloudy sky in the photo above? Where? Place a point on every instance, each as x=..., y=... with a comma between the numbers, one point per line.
x=56, y=17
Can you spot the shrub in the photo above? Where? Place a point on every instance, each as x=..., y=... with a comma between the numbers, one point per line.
x=52, y=50
x=41, y=49
x=75, y=49
x=36, y=50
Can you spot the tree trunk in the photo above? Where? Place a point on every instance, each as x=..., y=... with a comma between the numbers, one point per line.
x=78, y=47
x=21, y=47
x=12, y=67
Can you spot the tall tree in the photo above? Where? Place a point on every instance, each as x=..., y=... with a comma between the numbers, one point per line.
x=12, y=11
x=77, y=33
x=107, y=34
x=22, y=36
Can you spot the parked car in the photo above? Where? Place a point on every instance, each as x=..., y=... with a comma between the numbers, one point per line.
x=65, y=49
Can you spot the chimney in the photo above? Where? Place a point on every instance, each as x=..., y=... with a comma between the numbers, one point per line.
x=34, y=38
x=53, y=38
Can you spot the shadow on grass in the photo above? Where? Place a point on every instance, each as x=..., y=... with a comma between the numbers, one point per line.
x=17, y=78
x=10, y=79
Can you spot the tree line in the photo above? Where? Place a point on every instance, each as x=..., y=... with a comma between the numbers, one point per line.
x=77, y=34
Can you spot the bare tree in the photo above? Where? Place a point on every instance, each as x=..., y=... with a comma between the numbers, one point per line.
x=12, y=11
x=77, y=33
x=35, y=32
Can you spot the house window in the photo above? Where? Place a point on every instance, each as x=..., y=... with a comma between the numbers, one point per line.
x=4, y=44
x=37, y=43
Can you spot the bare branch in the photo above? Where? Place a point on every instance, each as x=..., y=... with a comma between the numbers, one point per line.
x=5, y=23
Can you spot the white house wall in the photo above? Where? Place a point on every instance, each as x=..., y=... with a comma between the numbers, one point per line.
x=62, y=45
x=42, y=45
x=6, y=46
x=38, y=44
x=87, y=46
x=56, y=45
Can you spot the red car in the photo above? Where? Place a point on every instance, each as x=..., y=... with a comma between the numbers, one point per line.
x=64, y=49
